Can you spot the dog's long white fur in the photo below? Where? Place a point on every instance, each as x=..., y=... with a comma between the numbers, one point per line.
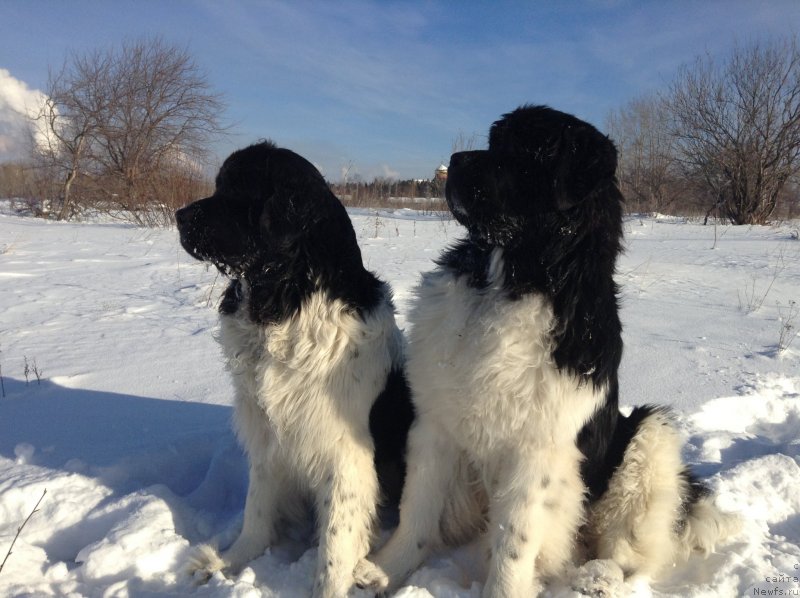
x=497, y=420
x=490, y=400
x=634, y=522
x=304, y=390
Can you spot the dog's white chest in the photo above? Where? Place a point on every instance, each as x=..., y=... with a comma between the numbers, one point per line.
x=482, y=365
x=311, y=377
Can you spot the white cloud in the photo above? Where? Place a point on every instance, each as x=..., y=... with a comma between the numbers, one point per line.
x=18, y=103
x=389, y=172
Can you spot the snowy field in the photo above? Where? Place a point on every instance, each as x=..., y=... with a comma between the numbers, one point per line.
x=127, y=424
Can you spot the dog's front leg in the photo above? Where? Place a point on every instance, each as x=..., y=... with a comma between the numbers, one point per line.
x=265, y=493
x=432, y=468
x=268, y=489
x=535, y=511
x=346, y=504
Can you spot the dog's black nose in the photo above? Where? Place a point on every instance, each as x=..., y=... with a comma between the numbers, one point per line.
x=457, y=158
x=466, y=159
x=184, y=215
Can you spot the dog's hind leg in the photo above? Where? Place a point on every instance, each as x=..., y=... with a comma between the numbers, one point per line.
x=654, y=512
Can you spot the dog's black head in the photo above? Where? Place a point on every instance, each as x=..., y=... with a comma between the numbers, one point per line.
x=542, y=166
x=266, y=200
x=274, y=222
x=545, y=193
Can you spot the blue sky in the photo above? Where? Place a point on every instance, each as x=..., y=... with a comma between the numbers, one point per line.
x=386, y=88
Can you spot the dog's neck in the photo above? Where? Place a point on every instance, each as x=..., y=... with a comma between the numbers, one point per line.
x=232, y=298
x=278, y=293
x=266, y=299
x=582, y=296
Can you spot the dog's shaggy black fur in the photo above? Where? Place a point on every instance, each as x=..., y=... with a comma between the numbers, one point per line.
x=274, y=222
x=297, y=281
x=528, y=299
x=546, y=193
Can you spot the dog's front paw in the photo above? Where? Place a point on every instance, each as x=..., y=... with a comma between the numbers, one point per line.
x=599, y=579
x=203, y=563
x=369, y=576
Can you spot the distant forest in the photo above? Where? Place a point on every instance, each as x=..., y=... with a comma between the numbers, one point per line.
x=127, y=130
x=382, y=192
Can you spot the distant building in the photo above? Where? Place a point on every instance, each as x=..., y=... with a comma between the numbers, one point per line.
x=441, y=173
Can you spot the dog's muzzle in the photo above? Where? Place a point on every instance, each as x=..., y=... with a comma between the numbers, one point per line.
x=185, y=216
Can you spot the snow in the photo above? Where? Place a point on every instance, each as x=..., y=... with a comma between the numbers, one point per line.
x=128, y=426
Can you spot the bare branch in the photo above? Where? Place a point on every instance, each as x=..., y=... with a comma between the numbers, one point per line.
x=737, y=125
x=120, y=119
x=20, y=528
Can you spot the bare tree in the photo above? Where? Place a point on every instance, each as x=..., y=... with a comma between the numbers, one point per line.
x=126, y=118
x=70, y=119
x=465, y=143
x=163, y=117
x=647, y=172
x=737, y=126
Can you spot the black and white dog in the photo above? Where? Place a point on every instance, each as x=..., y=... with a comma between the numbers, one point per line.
x=513, y=354
x=321, y=403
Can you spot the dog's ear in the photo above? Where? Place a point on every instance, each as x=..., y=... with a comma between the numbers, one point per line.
x=296, y=212
x=275, y=220
x=295, y=197
x=586, y=162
